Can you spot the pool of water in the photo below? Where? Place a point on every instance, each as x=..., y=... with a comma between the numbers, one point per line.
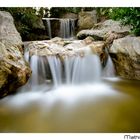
x=112, y=105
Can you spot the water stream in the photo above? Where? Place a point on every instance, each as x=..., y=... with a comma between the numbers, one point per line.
x=66, y=27
x=81, y=97
x=49, y=27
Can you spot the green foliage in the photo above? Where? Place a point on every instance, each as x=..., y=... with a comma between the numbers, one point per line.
x=103, y=11
x=130, y=16
x=42, y=12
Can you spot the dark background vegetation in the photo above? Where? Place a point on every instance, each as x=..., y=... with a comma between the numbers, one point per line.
x=27, y=19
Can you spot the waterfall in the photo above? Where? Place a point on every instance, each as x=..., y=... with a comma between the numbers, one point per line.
x=35, y=74
x=67, y=27
x=70, y=70
x=109, y=70
x=40, y=72
x=72, y=27
x=56, y=70
x=26, y=56
x=49, y=27
x=74, y=70
x=85, y=69
x=68, y=63
x=89, y=69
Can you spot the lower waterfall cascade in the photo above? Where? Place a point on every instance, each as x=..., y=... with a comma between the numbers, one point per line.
x=70, y=94
x=74, y=70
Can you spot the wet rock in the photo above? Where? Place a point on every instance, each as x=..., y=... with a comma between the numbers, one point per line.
x=58, y=40
x=125, y=53
x=87, y=19
x=73, y=48
x=88, y=40
x=44, y=48
x=70, y=16
x=112, y=35
x=14, y=71
x=99, y=48
x=109, y=29
x=94, y=33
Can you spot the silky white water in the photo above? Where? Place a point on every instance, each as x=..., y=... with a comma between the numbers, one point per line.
x=64, y=97
x=51, y=81
x=49, y=27
x=67, y=27
x=90, y=104
x=74, y=70
x=109, y=70
x=56, y=70
x=78, y=78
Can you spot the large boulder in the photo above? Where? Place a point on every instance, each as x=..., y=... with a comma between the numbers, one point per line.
x=125, y=53
x=38, y=24
x=70, y=16
x=8, y=32
x=14, y=71
x=87, y=19
x=108, y=29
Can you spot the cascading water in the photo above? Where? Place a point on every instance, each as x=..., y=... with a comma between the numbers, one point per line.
x=109, y=70
x=72, y=70
x=61, y=91
x=82, y=69
x=56, y=70
x=67, y=27
x=66, y=92
x=49, y=27
x=72, y=31
x=65, y=81
x=34, y=81
x=75, y=70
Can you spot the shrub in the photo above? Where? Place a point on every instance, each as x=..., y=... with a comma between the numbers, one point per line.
x=130, y=16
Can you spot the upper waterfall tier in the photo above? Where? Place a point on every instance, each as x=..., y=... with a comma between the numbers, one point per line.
x=61, y=27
